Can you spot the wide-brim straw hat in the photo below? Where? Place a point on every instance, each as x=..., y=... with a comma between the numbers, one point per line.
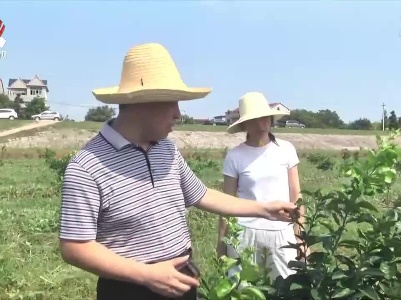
x=149, y=74
x=254, y=105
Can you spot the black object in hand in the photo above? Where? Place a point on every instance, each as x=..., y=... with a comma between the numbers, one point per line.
x=190, y=269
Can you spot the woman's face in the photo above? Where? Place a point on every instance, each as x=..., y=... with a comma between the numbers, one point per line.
x=258, y=126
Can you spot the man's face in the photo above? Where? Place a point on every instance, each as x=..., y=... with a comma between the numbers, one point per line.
x=161, y=117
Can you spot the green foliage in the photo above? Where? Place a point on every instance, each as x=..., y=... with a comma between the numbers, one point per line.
x=321, y=161
x=393, y=121
x=57, y=165
x=322, y=119
x=34, y=107
x=5, y=102
x=371, y=267
x=360, y=124
x=198, y=162
x=100, y=114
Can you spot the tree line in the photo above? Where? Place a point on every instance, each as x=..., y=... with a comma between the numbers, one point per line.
x=24, y=110
x=330, y=119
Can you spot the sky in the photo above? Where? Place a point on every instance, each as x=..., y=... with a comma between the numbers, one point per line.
x=343, y=56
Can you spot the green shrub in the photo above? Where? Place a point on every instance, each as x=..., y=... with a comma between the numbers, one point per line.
x=58, y=165
x=365, y=267
x=321, y=161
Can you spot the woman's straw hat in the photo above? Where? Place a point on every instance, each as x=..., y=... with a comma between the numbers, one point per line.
x=149, y=74
x=254, y=105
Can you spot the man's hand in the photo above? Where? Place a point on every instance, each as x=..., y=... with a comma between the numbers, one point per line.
x=279, y=210
x=165, y=279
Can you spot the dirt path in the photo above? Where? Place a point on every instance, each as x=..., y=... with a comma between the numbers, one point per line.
x=76, y=138
x=26, y=127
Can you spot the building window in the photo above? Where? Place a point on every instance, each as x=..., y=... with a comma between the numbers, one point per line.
x=36, y=92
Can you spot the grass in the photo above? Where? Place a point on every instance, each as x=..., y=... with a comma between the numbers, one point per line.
x=8, y=124
x=30, y=263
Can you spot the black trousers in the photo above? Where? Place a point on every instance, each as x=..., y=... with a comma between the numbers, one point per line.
x=108, y=289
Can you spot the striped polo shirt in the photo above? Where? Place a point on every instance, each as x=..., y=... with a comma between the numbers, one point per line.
x=130, y=200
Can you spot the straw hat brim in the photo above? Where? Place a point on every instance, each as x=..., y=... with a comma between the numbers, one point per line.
x=112, y=96
x=236, y=126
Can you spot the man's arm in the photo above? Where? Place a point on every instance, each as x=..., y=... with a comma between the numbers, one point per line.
x=198, y=195
x=80, y=206
x=97, y=259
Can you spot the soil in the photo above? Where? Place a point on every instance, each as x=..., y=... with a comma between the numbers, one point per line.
x=75, y=138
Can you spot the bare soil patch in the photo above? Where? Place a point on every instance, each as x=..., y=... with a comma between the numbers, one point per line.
x=75, y=138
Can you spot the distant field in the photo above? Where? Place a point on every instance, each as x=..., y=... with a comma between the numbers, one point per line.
x=8, y=124
x=94, y=126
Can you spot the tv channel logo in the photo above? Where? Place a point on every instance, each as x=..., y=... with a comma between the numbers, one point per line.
x=3, y=41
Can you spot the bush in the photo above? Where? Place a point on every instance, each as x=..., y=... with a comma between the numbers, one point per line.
x=367, y=267
x=321, y=161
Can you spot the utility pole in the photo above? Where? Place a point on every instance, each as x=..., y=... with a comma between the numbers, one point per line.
x=383, y=106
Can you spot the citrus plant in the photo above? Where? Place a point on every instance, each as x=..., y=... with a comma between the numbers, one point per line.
x=366, y=266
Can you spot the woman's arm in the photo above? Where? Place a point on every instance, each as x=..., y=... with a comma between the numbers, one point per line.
x=295, y=194
x=229, y=187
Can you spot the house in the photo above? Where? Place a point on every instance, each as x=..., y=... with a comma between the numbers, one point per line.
x=233, y=115
x=28, y=89
x=1, y=87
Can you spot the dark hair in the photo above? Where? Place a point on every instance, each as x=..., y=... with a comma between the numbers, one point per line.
x=271, y=137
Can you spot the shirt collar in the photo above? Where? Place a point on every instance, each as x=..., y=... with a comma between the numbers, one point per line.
x=114, y=138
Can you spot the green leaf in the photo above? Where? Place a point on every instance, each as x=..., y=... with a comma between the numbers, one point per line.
x=340, y=274
x=253, y=292
x=367, y=205
x=224, y=288
x=369, y=292
x=249, y=272
x=371, y=272
x=342, y=292
x=296, y=286
x=228, y=262
x=388, y=269
x=350, y=244
x=345, y=260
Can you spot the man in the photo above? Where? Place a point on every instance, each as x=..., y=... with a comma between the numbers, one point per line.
x=125, y=193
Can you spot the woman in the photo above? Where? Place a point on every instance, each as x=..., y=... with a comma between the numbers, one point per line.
x=262, y=168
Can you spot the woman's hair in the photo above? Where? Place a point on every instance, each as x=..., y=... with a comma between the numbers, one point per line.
x=271, y=135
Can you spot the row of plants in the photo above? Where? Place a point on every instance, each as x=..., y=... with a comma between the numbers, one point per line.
x=364, y=267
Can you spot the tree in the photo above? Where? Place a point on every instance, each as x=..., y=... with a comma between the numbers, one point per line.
x=17, y=106
x=100, y=114
x=360, y=124
x=5, y=102
x=321, y=119
x=393, y=121
x=34, y=107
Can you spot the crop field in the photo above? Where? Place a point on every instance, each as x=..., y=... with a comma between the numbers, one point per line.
x=30, y=263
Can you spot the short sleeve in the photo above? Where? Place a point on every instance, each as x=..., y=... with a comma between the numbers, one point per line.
x=229, y=166
x=192, y=187
x=293, y=158
x=80, y=204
